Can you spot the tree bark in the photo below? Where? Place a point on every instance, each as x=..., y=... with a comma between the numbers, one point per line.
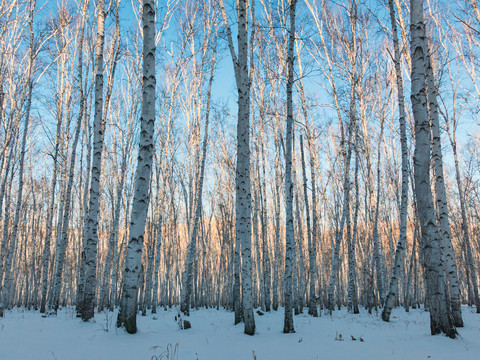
x=345, y=213
x=243, y=197
x=91, y=236
x=289, y=231
x=433, y=267
x=402, y=240
x=352, y=300
x=133, y=263
x=312, y=304
x=441, y=198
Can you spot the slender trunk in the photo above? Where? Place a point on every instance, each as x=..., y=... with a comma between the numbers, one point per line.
x=91, y=236
x=465, y=233
x=402, y=240
x=157, y=265
x=352, y=300
x=441, y=199
x=66, y=215
x=85, y=202
x=48, y=236
x=289, y=227
x=265, y=249
x=299, y=249
x=133, y=263
x=312, y=305
x=433, y=267
x=115, y=227
x=243, y=197
x=256, y=211
x=237, y=304
x=339, y=232
x=377, y=242
x=277, y=226
x=410, y=273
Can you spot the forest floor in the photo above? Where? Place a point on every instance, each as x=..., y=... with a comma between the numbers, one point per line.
x=26, y=335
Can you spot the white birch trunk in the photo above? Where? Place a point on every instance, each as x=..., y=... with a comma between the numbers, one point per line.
x=49, y=221
x=312, y=306
x=338, y=240
x=237, y=304
x=377, y=241
x=299, y=250
x=352, y=300
x=133, y=263
x=84, y=207
x=91, y=236
x=441, y=198
x=265, y=249
x=408, y=291
x=276, y=264
x=258, y=248
x=465, y=233
x=433, y=267
x=243, y=199
x=402, y=240
x=289, y=226
x=157, y=265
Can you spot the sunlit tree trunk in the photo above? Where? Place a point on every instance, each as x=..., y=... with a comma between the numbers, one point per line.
x=312, y=306
x=290, y=233
x=115, y=54
x=463, y=211
x=339, y=234
x=402, y=240
x=243, y=194
x=378, y=257
x=352, y=300
x=433, y=267
x=276, y=264
x=133, y=264
x=441, y=198
x=157, y=265
x=91, y=235
x=265, y=248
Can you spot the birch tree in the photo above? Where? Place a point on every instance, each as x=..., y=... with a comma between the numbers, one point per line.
x=441, y=197
x=434, y=274
x=91, y=234
x=402, y=241
x=133, y=265
x=289, y=235
x=243, y=200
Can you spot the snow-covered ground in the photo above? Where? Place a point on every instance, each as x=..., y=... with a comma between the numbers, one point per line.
x=27, y=335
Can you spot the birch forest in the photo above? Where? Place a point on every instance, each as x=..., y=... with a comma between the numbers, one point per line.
x=249, y=156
